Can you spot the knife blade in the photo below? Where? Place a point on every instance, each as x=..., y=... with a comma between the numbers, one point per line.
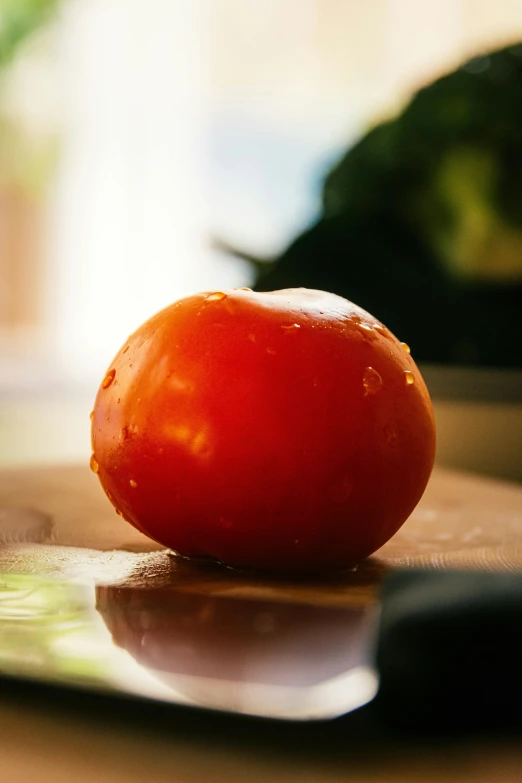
x=255, y=657
x=443, y=649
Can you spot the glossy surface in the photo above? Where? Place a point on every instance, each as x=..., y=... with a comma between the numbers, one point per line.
x=253, y=657
x=286, y=661
x=55, y=523
x=271, y=430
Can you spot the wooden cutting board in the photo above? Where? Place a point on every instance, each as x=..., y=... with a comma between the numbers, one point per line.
x=57, y=522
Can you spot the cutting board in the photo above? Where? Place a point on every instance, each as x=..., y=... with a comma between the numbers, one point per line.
x=56, y=521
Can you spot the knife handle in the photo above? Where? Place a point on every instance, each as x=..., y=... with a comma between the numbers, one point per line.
x=449, y=651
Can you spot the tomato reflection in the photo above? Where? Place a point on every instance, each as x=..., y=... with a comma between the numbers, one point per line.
x=233, y=639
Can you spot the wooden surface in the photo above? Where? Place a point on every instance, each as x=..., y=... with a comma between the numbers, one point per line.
x=58, y=522
x=48, y=746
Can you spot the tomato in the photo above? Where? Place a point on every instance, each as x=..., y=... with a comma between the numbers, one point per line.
x=287, y=430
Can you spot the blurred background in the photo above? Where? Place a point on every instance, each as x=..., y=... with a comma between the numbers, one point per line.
x=152, y=149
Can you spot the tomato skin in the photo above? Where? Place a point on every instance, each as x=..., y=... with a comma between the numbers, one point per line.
x=270, y=430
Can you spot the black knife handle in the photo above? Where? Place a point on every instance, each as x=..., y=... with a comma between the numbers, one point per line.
x=449, y=651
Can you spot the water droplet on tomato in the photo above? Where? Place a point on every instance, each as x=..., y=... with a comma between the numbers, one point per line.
x=93, y=464
x=289, y=327
x=372, y=381
x=133, y=483
x=271, y=351
x=382, y=330
x=406, y=347
x=245, y=289
x=366, y=327
x=117, y=510
x=108, y=379
x=91, y=415
x=390, y=433
x=409, y=377
x=126, y=349
x=216, y=296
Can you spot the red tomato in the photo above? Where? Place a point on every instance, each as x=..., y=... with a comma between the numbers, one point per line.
x=286, y=430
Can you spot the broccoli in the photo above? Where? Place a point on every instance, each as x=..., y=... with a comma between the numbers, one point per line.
x=422, y=220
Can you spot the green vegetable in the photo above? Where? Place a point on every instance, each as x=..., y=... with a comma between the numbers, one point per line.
x=18, y=19
x=422, y=220
x=25, y=160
